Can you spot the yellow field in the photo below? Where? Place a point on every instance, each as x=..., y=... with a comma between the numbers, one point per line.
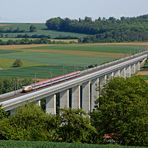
x=41, y=45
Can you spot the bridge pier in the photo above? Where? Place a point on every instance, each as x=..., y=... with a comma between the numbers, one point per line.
x=117, y=73
x=38, y=102
x=133, y=69
x=123, y=73
x=102, y=82
x=86, y=97
x=94, y=93
x=142, y=62
x=51, y=104
x=12, y=112
x=138, y=66
x=76, y=97
x=128, y=71
x=64, y=99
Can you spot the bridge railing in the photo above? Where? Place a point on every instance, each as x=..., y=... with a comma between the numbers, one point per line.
x=9, y=94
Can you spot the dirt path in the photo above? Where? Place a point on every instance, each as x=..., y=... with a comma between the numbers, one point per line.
x=21, y=46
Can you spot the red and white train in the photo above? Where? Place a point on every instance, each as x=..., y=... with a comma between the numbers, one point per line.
x=49, y=82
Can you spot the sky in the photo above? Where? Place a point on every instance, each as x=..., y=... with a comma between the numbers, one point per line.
x=38, y=11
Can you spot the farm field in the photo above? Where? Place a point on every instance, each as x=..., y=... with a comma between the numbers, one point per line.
x=30, y=144
x=41, y=30
x=46, y=61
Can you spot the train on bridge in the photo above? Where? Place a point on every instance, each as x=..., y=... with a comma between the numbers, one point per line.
x=49, y=82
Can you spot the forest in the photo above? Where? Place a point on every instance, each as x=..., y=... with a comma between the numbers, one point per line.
x=103, y=29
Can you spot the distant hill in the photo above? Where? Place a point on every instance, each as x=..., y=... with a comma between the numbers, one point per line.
x=104, y=30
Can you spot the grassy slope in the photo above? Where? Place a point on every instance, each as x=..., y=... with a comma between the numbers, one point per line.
x=20, y=144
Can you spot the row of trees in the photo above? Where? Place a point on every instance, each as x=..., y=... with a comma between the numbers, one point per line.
x=31, y=123
x=25, y=41
x=122, y=114
x=111, y=29
x=32, y=28
x=11, y=84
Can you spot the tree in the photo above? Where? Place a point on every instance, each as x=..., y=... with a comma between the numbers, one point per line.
x=17, y=63
x=123, y=111
x=32, y=28
x=28, y=123
x=3, y=114
x=75, y=126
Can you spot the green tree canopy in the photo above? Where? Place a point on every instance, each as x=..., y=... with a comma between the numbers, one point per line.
x=75, y=126
x=17, y=63
x=32, y=28
x=28, y=123
x=103, y=29
x=123, y=111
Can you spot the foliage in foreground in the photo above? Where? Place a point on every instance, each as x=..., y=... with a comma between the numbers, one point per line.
x=123, y=111
x=31, y=123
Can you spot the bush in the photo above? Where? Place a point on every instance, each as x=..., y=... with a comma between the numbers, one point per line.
x=123, y=111
x=17, y=63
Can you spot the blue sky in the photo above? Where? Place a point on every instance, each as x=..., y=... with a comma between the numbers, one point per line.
x=41, y=10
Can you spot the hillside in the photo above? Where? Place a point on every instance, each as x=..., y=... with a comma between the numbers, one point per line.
x=104, y=30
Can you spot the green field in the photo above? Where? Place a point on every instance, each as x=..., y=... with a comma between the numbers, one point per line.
x=39, y=71
x=41, y=30
x=96, y=47
x=56, y=59
x=29, y=144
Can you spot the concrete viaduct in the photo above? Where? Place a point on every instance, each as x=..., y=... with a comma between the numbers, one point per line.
x=82, y=91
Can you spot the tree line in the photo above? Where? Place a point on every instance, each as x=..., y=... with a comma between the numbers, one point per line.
x=120, y=116
x=102, y=29
x=12, y=84
x=25, y=41
x=32, y=28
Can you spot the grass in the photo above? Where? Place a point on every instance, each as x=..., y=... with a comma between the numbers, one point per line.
x=38, y=144
x=57, y=59
x=39, y=71
x=145, y=77
x=7, y=51
x=94, y=47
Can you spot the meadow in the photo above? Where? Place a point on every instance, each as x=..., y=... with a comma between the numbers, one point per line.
x=46, y=61
x=38, y=144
